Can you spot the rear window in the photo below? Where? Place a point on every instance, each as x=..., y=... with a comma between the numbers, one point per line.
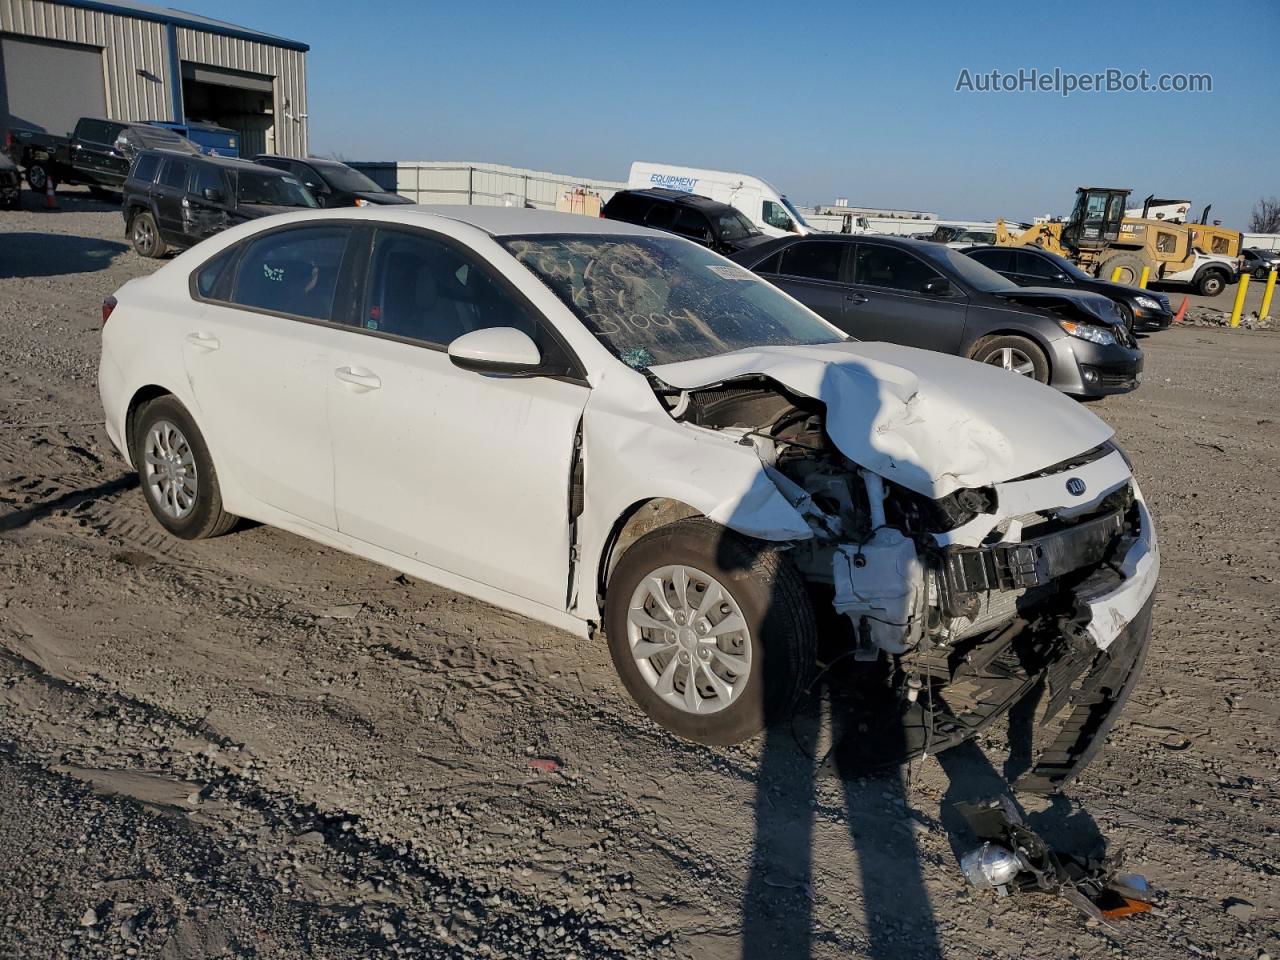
x=145, y=167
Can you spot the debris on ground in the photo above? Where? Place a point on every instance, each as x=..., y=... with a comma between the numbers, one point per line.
x=1014, y=859
x=1208, y=317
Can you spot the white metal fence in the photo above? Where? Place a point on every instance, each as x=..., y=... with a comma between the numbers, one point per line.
x=484, y=184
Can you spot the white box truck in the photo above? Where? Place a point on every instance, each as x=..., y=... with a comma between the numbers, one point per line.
x=758, y=201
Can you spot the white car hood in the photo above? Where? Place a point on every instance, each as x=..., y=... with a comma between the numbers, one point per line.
x=931, y=422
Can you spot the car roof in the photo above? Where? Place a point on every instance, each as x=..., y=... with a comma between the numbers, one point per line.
x=681, y=198
x=235, y=163
x=516, y=221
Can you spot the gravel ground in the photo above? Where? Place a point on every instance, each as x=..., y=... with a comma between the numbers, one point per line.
x=258, y=747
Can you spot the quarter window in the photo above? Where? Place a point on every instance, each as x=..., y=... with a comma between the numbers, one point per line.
x=878, y=266
x=813, y=260
x=421, y=288
x=146, y=167
x=294, y=272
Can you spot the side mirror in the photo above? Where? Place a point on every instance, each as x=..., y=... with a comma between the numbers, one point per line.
x=499, y=350
x=213, y=195
x=937, y=287
x=316, y=187
x=1062, y=278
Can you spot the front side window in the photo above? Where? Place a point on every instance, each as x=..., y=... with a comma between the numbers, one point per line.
x=775, y=215
x=655, y=300
x=734, y=226
x=293, y=272
x=272, y=190
x=207, y=178
x=813, y=260
x=339, y=176
x=425, y=289
x=174, y=174
x=891, y=268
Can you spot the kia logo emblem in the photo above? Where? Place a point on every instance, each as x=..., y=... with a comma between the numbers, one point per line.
x=1076, y=487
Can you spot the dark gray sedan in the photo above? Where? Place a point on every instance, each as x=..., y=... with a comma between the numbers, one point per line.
x=922, y=294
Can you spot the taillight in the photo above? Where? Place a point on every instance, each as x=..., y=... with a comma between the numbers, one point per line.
x=108, y=305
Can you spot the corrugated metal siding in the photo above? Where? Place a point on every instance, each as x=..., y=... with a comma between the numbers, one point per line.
x=482, y=184
x=129, y=45
x=287, y=67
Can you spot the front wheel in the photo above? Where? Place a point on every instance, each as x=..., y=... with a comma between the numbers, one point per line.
x=145, y=235
x=1015, y=354
x=179, y=482
x=712, y=633
x=1211, y=283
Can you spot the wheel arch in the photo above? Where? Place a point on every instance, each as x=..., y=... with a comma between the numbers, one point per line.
x=639, y=518
x=1025, y=333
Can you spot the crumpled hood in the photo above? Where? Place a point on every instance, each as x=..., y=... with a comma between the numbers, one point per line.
x=931, y=422
x=1101, y=308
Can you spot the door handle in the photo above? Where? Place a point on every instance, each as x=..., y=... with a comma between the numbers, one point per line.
x=855, y=298
x=204, y=340
x=358, y=377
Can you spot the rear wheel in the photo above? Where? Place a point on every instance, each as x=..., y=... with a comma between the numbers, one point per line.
x=1211, y=283
x=179, y=482
x=1015, y=354
x=1129, y=264
x=711, y=633
x=145, y=235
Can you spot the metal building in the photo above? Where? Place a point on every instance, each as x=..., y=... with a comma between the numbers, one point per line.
x=122, y=60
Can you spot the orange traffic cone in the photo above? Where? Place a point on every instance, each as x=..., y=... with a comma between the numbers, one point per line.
x=1182, y=310
x=50, y=201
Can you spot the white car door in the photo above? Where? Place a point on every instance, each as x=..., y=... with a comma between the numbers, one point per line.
x=259, y=358
x=466, y=472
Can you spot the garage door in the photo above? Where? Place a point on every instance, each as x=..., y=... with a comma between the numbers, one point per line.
x=48, y=86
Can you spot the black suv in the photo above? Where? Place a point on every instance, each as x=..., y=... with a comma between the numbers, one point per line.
x=332, y=183
x=175, y=199
x=716, y=225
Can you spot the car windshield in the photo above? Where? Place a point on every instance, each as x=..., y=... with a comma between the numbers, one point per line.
x=654, y=300
x=271, y=190
x=795, y=214
x=734, y=226
x=981, y=278
x=341, y=177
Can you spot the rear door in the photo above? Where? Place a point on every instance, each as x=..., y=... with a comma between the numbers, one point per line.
x=889, y=302
x=260, y=357
x=207, y=205
x=814, y=272
x=170, y=194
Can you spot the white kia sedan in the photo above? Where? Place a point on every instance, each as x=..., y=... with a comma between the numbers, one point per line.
x=618, y=432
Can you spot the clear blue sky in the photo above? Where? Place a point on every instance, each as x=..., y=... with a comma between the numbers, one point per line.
x=824, y=99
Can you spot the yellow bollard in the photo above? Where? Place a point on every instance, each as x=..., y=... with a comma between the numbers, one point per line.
x=1265, y=309
x=1239, y=304
x=1115, y=275
x=1146, y=275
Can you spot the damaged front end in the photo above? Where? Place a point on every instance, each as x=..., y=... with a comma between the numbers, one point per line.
x=977, y=597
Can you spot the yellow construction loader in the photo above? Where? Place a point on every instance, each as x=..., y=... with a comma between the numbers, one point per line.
x=1101, y=240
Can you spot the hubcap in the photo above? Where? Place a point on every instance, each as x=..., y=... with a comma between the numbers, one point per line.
x=142, y=234
x=1013, y=360
x=689, y=639
x=170, y=470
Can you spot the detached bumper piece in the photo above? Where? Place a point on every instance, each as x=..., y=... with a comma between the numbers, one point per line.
x=1085, y=686
x=1014, y=859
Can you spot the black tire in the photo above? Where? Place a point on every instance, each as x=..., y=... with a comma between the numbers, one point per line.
x=1130, y=265
x=1211, y=283
x=37, y=177
x=767, y=589
x=1126, y=314
x=145, y=235
x=991, y=350
x=205, y=518
x=1260, y=273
